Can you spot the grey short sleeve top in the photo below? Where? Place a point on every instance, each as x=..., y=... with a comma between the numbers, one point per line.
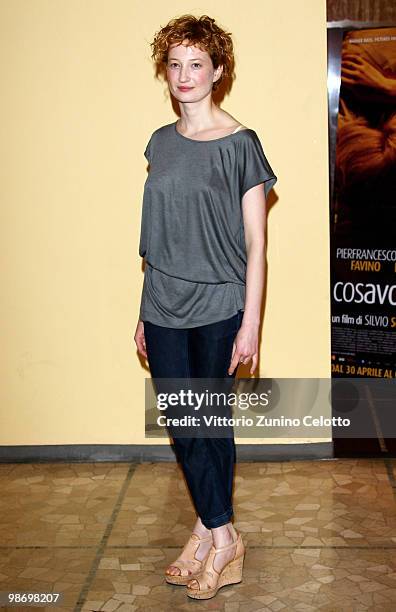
x=192, y=234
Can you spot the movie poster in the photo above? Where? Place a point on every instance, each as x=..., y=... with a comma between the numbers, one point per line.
x=363, y=207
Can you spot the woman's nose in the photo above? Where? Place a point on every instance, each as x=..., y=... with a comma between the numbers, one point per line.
x=183, y=75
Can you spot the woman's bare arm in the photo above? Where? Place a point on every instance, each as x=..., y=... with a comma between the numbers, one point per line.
x=254, y=220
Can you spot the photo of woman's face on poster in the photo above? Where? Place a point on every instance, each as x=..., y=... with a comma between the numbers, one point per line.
x=365, y=165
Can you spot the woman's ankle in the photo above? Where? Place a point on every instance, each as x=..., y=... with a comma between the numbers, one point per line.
x=232, y=531
x=200, y=529
x=224, y=535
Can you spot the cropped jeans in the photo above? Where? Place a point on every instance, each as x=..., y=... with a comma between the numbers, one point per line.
x=207, y=462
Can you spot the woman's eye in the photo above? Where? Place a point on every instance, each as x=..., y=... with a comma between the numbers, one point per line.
x=174, y=64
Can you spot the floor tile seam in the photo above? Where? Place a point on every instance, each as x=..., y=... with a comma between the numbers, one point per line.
x=103, y=542
x=390, y=473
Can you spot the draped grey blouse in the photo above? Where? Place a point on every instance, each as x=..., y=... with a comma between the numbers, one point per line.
x=192, y=233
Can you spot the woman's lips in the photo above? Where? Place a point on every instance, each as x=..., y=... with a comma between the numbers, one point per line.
x=184, y=88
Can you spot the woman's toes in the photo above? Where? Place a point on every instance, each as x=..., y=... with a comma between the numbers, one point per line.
x=193, y=584
x=171, y=571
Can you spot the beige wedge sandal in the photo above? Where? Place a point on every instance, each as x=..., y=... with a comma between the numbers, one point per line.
x=187, y=563
x=209, y=580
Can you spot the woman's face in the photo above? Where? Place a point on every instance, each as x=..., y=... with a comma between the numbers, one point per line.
x=190, y=72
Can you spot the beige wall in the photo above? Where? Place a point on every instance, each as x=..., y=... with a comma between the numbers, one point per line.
x=79, y=102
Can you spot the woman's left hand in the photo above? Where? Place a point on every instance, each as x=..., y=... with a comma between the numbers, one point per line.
x=245, y=348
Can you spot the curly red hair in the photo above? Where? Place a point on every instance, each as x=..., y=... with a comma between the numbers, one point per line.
x=201, y=32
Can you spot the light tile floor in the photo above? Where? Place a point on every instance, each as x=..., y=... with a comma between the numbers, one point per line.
x=320, y=535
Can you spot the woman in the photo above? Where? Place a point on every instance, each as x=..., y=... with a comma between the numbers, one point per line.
x=202, y=237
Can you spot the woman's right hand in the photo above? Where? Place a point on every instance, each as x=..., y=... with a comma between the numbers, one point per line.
x=140, y=340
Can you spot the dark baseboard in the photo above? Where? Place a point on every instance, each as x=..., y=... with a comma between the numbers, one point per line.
x=140, y=453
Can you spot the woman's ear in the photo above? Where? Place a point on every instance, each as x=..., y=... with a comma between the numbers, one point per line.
x=217, y=73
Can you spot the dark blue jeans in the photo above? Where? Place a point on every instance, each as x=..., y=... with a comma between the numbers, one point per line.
x=207, y=463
